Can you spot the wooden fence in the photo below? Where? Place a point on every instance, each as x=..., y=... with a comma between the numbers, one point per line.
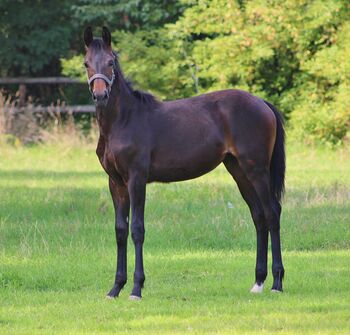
x=23, y=82
x=51, y=109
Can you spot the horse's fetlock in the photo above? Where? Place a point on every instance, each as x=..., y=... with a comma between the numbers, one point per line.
x=260, y=275
x=121, y=280
x=139, y=278
x=278, y=272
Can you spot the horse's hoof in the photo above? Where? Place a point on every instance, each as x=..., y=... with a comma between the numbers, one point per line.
x=134, y=298
x=110, y=297
x=257, y=288
x=275, y=291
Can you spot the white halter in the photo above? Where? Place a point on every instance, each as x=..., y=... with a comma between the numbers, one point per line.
x=102, y=76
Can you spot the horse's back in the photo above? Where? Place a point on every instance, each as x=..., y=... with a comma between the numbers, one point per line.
x=243, y=121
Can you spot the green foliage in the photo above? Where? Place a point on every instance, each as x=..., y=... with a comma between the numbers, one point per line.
x=33, y=36
x=322, y=112
x=260, y=46
x=155, y=62
x=126, y=14
x=73, y=67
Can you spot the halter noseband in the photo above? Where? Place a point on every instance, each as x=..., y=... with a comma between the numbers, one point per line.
x=104, y=77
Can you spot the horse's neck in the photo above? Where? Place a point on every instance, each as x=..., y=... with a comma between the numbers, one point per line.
x=106, y=115
x=119, y=105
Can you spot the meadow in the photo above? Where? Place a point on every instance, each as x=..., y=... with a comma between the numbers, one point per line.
x=57, y=250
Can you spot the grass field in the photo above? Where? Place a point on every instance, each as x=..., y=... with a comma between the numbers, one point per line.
x=57, y=250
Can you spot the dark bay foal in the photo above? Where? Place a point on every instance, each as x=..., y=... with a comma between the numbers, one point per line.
x=144, y=140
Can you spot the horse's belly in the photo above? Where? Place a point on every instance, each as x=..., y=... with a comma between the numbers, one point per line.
x=178, y=169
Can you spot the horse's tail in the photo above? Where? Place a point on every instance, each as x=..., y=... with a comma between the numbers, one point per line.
x=278, y=160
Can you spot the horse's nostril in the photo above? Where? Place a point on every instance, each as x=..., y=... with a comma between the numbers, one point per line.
x=100, y=97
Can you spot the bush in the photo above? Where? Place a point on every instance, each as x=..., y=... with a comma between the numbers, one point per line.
x=322, y=112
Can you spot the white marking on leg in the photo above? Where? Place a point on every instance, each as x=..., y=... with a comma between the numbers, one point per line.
x=257, y=288
x=276, y=291
x=134, y=298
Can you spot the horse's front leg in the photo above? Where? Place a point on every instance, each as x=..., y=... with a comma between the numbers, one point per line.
x=137, y=191
x=120, y=196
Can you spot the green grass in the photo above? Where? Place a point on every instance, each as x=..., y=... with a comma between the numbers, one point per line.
x=57, y=250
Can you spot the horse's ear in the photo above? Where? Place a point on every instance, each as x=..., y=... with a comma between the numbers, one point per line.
x=88, y=37
x=106, y=36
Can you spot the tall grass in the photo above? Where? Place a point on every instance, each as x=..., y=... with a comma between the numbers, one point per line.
x=25, y=125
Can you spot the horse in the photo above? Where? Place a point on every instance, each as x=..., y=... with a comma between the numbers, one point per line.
x=144, y=140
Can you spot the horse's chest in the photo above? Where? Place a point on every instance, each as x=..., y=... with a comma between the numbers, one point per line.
x=115, y=160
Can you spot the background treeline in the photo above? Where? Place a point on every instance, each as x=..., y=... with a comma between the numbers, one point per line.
x=294, y=53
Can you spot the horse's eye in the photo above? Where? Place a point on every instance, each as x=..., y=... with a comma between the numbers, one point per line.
x=110, y=63
x=86, y=64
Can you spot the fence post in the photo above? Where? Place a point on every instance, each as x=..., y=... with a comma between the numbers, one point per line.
x=22, y=94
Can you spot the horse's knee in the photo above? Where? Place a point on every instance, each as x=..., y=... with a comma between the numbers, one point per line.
x=122, y=233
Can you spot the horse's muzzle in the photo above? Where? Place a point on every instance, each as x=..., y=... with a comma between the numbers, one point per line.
x=100, y=99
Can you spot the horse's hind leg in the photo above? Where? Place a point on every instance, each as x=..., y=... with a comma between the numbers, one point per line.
x=249, y=195
x=259, y=176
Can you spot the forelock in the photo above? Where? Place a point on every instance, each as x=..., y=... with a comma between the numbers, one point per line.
x=97, y=45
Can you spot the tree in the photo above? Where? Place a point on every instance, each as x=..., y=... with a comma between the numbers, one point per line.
x=131, y=15
x=34, y=35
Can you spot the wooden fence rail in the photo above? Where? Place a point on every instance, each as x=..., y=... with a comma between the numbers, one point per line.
x=23, y=81
x=44, y=80
x=50, y=109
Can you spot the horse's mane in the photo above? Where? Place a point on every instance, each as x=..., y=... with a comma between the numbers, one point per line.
x=144, y=97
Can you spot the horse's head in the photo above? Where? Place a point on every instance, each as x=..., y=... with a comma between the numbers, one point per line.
x=100, y=63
